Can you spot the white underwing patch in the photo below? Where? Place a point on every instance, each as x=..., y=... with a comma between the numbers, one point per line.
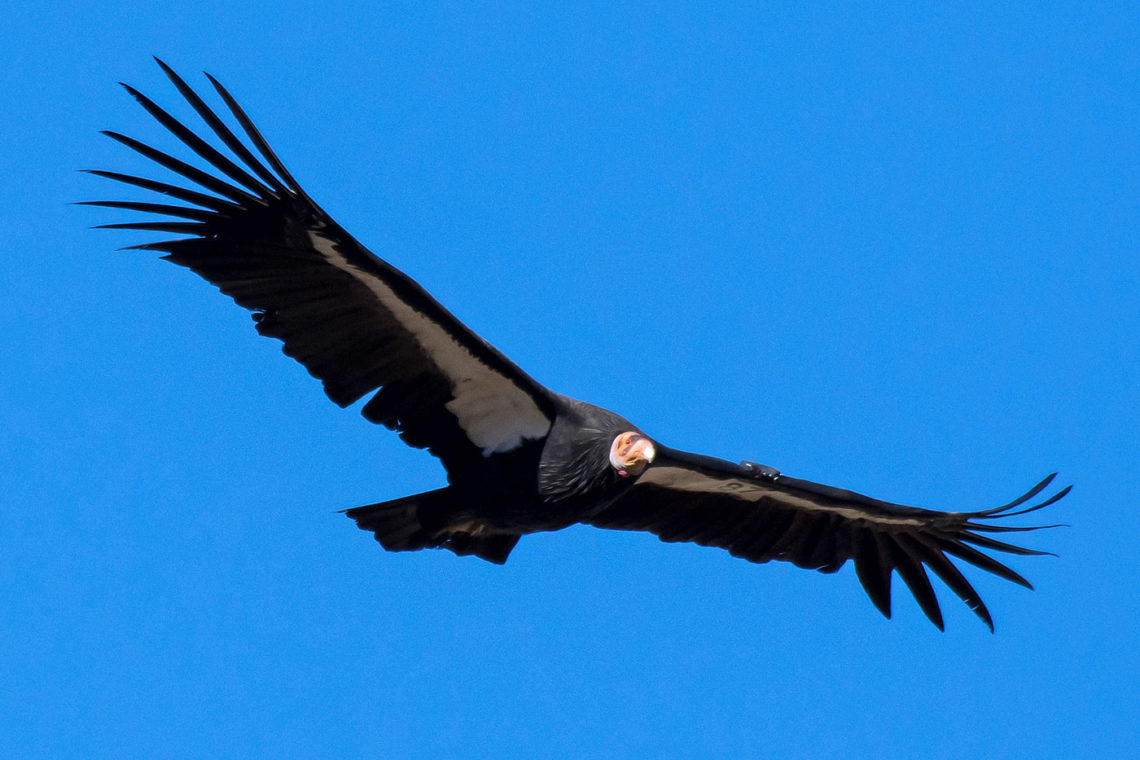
x=494, y=413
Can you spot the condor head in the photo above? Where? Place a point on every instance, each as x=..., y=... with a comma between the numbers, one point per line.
x=631, y=453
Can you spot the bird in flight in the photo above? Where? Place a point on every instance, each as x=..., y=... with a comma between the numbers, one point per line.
x=520, y=458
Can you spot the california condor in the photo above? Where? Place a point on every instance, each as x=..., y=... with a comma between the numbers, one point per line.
x=519, y=457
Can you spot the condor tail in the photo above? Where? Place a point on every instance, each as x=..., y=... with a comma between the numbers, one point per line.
x=421, y=521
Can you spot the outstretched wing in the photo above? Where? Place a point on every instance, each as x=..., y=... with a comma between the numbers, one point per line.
x=350, y=318
x=760, y=515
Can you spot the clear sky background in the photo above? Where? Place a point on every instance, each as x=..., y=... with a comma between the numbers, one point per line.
x=890, y=249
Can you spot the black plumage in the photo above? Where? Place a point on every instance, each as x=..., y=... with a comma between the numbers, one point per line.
x=519, y=457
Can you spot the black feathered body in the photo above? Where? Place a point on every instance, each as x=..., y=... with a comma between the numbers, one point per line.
x=543, y=485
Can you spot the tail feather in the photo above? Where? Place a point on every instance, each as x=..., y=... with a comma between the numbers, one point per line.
x=421, y=521
x=397, y=523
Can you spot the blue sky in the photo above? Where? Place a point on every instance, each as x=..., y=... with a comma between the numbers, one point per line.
x=892, y=250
